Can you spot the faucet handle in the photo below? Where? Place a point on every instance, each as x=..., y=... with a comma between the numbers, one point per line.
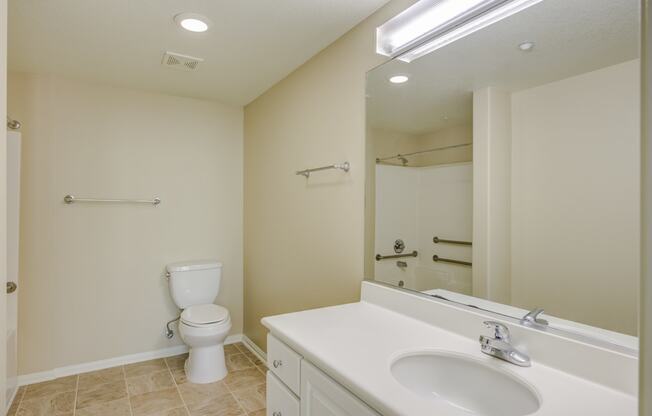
x=501, y=332
x=532, y=318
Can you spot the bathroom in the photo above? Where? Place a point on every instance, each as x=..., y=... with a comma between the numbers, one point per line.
x=380, y=207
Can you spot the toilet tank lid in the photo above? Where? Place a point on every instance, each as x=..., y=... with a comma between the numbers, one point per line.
x=185, y=266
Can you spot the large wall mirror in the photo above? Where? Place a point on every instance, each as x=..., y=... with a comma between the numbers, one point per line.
x=504, y=169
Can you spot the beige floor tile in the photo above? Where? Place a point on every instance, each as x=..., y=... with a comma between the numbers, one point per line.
x=57, y=404
x=101, y=393
x=241, y=346
x=48, y=388
x=94, y=378
x=13, y=409
x=253, y=358
x=242, y=379
x=197, y=395
x=231, y=349
x=177, y=361
x=180, y=411
x=155, y=402
x=251, y=399
x=146, y=367
x=151, y=382
x=222, y=406
x=261, y=412
x=113, y=408
x=14, y=404
x=179, y=376
x=235, y=362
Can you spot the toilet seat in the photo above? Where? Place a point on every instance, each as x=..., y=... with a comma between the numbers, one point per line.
x=200, y=316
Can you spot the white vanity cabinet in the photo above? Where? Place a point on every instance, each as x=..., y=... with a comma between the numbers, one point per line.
x=280, y=400
x=322, y=396
x=297, y=388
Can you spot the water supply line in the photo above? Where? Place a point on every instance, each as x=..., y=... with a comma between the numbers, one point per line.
x=169, y=332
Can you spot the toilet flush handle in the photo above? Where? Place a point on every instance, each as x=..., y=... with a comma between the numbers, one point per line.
x=277, y=363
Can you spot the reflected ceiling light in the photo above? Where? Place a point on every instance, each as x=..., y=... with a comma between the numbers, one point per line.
x=432, y=24
x=192, y=22
x=526, y=46
x=399, y=79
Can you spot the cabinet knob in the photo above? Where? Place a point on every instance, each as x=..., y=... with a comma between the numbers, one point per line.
x=277, y=364
x=277, y=414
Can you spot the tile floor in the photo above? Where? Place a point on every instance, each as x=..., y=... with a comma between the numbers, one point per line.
x=150, y=388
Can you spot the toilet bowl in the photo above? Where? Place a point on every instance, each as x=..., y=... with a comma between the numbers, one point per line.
x=204, y=328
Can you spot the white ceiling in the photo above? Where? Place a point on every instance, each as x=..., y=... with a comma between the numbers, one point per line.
x=251, y=45
x=571, y=38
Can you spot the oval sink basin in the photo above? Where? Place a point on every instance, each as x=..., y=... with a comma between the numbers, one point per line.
x=465, y=383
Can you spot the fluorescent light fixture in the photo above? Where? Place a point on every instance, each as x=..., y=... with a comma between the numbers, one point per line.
x=192, y=22
x=431, y=24
x=399, y=79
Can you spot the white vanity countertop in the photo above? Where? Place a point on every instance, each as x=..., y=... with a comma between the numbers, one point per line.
x=356, y=343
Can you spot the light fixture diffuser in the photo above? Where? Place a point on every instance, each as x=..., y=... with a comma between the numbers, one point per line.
x=399, y=79
x=192, y=22
x=431, y=24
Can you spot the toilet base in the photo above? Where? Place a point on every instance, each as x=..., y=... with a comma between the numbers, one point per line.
x=206, y=364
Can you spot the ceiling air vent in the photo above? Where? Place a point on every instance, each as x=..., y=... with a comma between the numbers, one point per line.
x=182, y=62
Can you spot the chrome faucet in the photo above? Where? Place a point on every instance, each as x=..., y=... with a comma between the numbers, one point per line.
x=532, y=319
x=500, y=345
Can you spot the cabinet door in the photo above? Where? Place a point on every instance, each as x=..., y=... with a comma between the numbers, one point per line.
x=280, y=401
x=284, y=363
x=322, y=396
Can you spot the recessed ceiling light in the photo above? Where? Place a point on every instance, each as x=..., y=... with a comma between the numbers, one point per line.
x=526, y=46
x=192, y=22
x=398, y=79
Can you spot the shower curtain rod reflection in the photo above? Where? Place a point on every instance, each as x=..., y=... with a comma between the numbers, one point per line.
x=402, y=156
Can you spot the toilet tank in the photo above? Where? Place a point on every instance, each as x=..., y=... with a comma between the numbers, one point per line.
x=194, y=282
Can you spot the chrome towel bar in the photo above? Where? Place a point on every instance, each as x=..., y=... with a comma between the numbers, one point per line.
x=396, y=256
x=69, y=199
x=445, y=260
x=441, y=240
x=341, y=166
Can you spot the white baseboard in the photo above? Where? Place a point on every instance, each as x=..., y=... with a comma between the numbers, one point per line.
x=111, y=362
x=254, y=348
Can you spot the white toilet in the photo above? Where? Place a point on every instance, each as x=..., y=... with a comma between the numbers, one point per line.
x=203, y=326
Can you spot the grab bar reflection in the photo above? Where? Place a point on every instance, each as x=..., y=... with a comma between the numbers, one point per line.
x=445, y=260
x=396, y=256
x=441, y=240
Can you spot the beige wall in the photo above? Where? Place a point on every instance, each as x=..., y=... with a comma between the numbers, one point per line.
x=91, y=275
x=576, y=197
x=448, y=136
x=384, y=143
x=304, y=240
